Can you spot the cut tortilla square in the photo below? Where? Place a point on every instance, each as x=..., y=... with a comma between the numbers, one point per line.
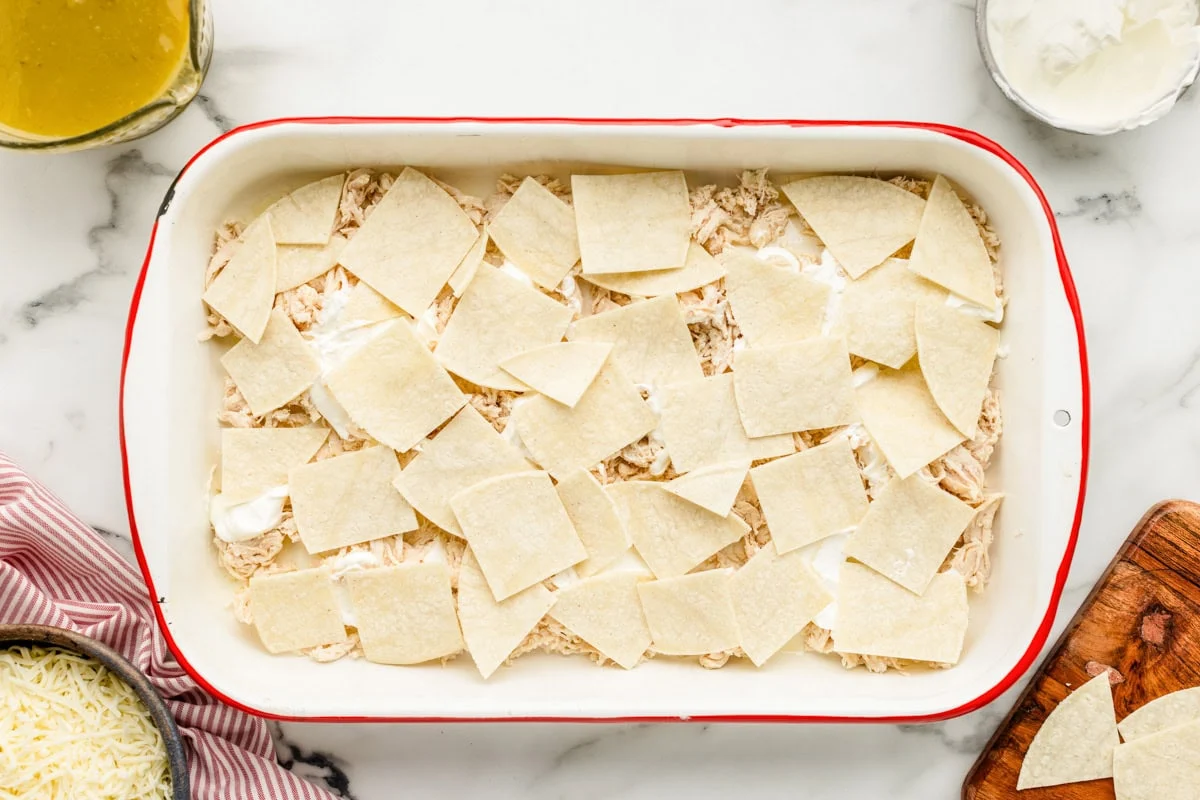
x=1076, y=741
x=365, y=306
x=349, y=499
x=518, y=529
x=798, y=386
x=714, y=488
x=606, y=612
x=811, y=494
x=306, y=215
x=295, y=610
x=650, y=339
x=460, y=279
x=466, y=451
x=774, y=597
x=876, y=312
x=690, y=615
x=610, y=415
x=670, y=533
x=908, y=531
x=254, y=460
x=904, y=420
x=699, y=269
x=300, y=263
x=493, y=630
x=956, y=354
x=878, y=617
x=412, y=242
x=773, y=305
x=536, y=231
x=1162, y=766
x=701, y=427
x=275, y=371
x=394, y=389
x=1168, y=711
x=404, y=614
x=632, y=223
x=562, y=371
x=862, y=221
x=949, y=250
x=244, y=291
x=594, y=516
x=498, y=317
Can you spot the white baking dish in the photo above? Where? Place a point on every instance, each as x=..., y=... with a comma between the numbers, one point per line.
x=172, y=383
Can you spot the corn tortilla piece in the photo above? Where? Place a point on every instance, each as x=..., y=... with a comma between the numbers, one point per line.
x=1162, y=766
x=956, y=354
x=811, y=494
x=701, y=427
x=244, y=291
x=876, y=312
x=632, y=223
x=412, y=242
x=861, y=221
x=1168, y=711
x=562, y=371
x=276, y=370
x=394, y=389
x=949, y=250
x=306, y=215
x=404, y=614
x=498, y=317
x=536, y=232
x=349, y=499
x=365, y=306
x=797, y=386
x=254, y=460
x=460, y=279
x=295, y=610
x=877, y=617
x=904, y=420
x=670, y=533
x=650, y=340
x=774, y=597
x=714, y=488
x=300, y=263
x=493, y=630
x=699, y=269
x=1076, y=741
x=773, y=305
x=594, y=516
x=518, y=529
x=690, y=615
x=606, y=612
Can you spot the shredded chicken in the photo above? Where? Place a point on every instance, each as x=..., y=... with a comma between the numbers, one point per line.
x=971, y=558
x=645, y=459
x=350, y=646
x=235, y=411
x=335, y=445
x=507, y=185
x=243, y=559
x=918, y=186
x=225, y=244
x=472, y=206
x=363, y=190
x=550, y=636
x=747, y=214
x=710, y=321
x=991, y=425
x=305, y=304
x=494, y=405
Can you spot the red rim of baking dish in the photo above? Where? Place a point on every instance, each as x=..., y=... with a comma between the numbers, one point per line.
x=970, y=137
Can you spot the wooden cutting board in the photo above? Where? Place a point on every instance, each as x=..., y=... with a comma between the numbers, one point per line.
x=1142, y=619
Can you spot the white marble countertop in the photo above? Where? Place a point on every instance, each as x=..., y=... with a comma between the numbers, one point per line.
x=73, y=229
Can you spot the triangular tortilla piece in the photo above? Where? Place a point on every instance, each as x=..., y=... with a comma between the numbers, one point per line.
x=365, y=306
x=493, y=630
x=466, y=451
x=460, y=279
x=610, y=415
x=956, y=355
x=275, y=371
x=562, y=371
x=295, y=610
x=650, y=340
x=244, y=290
x=878, y=617
x=300, y=263
x=349, y=499
x=699, y=269
x=773, y=305
x=498, y=317
x=254, y=460
x=518, y=529
x=690, y=615
x=595, y=517
x=774, y=597
x=949, y=250
x=713, y=488
x=811, y=494
x=671, y=534
x=404, y=614
x=1170, y=710
x=1162, y=766
x=536, y=231
x=903, y=419
x=632, y=223
x=412, y=242
x=394, y=389
x=1076, y=741
x=606, y=612
x=701, y=427
x=908, y=531
x=876, y=312
x=798, y=386
x=306, y=215
x=862, y=221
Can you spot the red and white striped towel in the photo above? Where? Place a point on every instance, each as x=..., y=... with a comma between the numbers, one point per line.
x=55, y=570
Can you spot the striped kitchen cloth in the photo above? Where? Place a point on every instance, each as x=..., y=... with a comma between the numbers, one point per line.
x=55, y=570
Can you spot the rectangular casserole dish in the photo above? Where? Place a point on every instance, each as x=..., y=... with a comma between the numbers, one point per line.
x=171, y=387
